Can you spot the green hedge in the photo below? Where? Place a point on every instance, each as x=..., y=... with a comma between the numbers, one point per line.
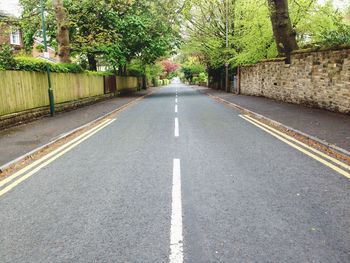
x=162, y=82
x=99, y=73
x=201, y=78
x=9, y=62
x=39, y=65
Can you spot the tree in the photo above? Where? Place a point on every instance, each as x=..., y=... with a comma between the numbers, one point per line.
x=283, y=32
x=253, y=36
x=31, y=23
x=111, y=33
x=62, y=31
x=192, y=68
x=206, y=29
x=169, y=66
x=116, y=32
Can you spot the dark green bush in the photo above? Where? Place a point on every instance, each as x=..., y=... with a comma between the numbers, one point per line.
x=337, y=37
x=155, y=82
x=65, y=67
x=173, y=75
x=6, y=57
x=36, y=64
x=99, y=73
x=39, y=65
x=30, y=64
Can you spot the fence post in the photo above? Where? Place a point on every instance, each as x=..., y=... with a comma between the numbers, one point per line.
x=50, y=90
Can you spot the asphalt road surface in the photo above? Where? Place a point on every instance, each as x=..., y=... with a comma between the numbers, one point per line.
x=178, y=178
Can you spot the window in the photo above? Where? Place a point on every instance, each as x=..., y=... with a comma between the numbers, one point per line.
x=15, y=38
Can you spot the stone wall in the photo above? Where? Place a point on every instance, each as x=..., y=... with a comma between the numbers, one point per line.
x=317, y=79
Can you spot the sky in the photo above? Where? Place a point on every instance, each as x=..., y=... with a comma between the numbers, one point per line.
x=12, y=6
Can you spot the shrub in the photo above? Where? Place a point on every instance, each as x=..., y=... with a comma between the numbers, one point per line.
x=30, y=64
x=40, y=48
x=203, y=77
x=36, y=64
x=99, y=73
x=155, y=82
x=173, y=75
x=6, y=57
x=335, y=37
x=39, y=65
x=195, y=80
x=66, y=67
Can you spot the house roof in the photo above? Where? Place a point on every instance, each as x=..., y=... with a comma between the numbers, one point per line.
x=40, y=41
x=4, y=14
x=7, y=17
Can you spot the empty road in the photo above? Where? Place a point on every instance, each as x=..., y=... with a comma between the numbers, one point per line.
x=178, y=177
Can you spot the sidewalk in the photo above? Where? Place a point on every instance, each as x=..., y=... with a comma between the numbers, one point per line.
x=330, y=127
x=17, y=141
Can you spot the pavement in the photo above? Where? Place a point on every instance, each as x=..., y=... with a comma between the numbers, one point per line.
x=327, y=126
x=19, y=140
x=178, y=179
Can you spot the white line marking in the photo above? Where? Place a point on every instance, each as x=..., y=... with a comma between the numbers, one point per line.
x=175, y=108
x=176, y=100
x=176, y=238
x=176, y=127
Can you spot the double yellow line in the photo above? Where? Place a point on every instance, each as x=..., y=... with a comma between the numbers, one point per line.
x=323, y=158
x=12, y=181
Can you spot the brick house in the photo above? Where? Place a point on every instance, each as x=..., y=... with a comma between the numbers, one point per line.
x=10, y=32
x=38, y=47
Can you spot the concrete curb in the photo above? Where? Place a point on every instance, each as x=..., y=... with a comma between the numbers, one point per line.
x=63, y=136
x=329, y=148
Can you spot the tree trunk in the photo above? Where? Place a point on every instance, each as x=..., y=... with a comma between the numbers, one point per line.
x=124, y=70
x=120, y=70
x=144, y=82
x=92, y=62
x=62, y=31
x=282, y=27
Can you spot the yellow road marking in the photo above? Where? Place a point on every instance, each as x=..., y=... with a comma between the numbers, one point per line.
x=26, y=176
x=30, y=166
x=330, y=165
x=301, y=143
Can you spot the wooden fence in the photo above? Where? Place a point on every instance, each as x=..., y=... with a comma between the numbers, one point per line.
x=24, y=90
x=127, y=83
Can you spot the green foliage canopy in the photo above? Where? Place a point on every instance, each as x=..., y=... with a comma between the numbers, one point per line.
x=112, y=31
x=250, y=33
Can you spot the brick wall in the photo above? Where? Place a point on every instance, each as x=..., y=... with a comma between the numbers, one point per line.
x=36, y=53
x=4, y=34
x=5, y=30
x=318, y=79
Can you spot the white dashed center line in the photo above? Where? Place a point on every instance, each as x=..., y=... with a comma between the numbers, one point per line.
x=175, y=108
x=176, y=127
x=176, y=238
